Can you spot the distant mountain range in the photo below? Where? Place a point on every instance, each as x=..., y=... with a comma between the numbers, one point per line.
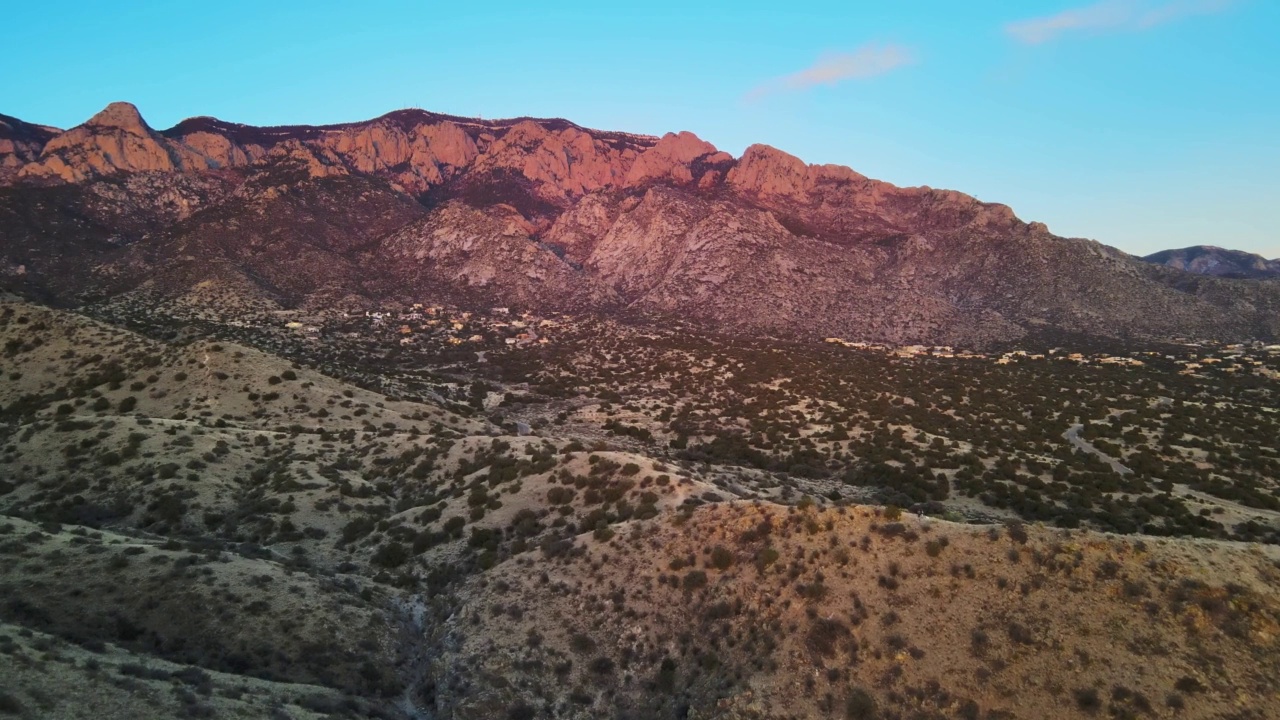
x=545, y=214
x=1210, y=260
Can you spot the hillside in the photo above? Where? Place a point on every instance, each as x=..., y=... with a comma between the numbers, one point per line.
x=216, y=515
x=1216, y=261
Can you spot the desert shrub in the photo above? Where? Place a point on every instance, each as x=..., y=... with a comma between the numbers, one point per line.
x=9, y=704
x=766, y=557
x=560, y=495
x=581, y=643
x=666, y=679
x=357, y=529
x=721, y=557
x=1087, y=699
x=719, y=611
x=859, y=705
x=695, y=579
x=391, y=555
x=934, y=547
x=1188, y=684
x=1020, y=634
x=825, y=635
x=522, y=711
x=1017, y=532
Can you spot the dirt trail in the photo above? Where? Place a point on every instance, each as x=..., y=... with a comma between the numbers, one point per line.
x=1072, y=435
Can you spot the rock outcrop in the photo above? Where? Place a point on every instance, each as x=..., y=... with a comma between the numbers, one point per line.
x=21, y=143
x=672, y=158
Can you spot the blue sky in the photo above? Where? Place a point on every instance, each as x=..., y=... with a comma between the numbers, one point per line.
x=1144, y=124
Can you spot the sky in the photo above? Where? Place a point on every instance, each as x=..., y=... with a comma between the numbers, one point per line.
x=1143, y=124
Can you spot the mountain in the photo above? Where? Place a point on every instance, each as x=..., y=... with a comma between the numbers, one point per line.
x=545, y=214
x=1220, y=262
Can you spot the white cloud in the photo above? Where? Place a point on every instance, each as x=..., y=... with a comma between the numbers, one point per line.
x=1111, y=16
x=834, y=68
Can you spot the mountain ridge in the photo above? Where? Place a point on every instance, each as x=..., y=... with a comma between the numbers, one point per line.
x=1217, y=261
x=545, y=213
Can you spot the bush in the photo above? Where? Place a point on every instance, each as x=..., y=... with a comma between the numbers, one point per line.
x=824, y=637
x=393, y=554
x=1087, y=699
x=934, y=547
x=1188, y=684
x=580, y=643
x=521, y=711
x=860, y=705
x=694, y=580
x=721, y=557
x=1017, y=532
x=10, y=705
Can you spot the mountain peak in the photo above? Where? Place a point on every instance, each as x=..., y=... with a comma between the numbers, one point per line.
x=766, y=170
x=122, y=116
x=671, y=157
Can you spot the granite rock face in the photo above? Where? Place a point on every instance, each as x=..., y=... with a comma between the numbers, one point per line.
x=548, y=214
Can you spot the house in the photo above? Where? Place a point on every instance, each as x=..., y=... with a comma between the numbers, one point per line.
x=294, y=325
x=501, y=311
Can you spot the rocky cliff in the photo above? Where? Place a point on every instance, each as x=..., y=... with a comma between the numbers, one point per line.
x=545, y=213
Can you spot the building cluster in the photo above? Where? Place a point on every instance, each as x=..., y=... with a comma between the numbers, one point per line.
x=1229, y=358
x=422, y=322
